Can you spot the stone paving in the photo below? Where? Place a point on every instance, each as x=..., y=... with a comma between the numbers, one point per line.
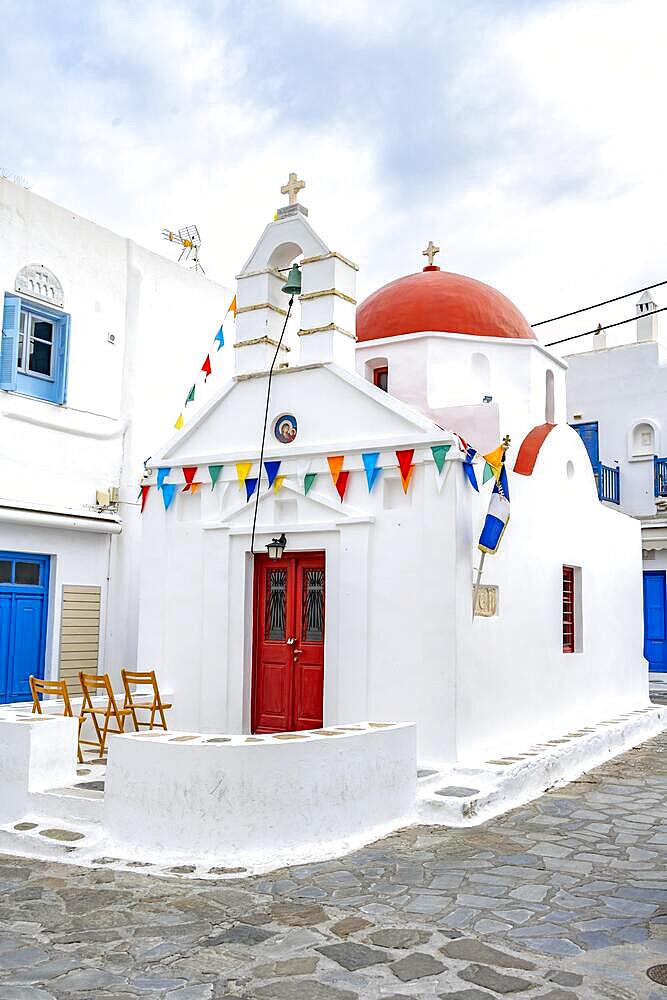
x=561, y=899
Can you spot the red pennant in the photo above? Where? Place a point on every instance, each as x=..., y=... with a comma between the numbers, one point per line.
x=206, y=367
x=405, y=460
x=144, y=496
x=189, y=472
x=341, y=482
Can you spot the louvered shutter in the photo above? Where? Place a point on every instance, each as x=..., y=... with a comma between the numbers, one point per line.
x=9, y=345
x=62, y=358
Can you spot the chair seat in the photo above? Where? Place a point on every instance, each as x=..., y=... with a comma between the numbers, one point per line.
x=102, y=711
x=151, y=704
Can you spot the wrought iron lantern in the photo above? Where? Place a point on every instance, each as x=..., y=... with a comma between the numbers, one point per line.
x=276, y=547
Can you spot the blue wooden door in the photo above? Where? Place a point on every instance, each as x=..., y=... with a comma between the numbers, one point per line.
x=655, y=645
x=24, y=591
x=589, y=435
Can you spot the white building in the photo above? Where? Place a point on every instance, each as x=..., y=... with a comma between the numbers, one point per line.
x=368, y=613
x=617, y=400
x=97, y=334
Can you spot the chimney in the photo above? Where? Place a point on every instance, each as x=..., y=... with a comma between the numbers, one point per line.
x=647, y=321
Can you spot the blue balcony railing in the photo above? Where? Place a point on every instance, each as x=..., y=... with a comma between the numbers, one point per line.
x=608, y=480
x=659, y=476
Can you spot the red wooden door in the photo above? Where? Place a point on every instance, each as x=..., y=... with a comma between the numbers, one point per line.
x=288, y=643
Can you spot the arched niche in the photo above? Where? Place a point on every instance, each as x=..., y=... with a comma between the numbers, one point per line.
x=480, y=372
x=283, y=255
x=549, y=400
x=39, y=282
x=643, y=439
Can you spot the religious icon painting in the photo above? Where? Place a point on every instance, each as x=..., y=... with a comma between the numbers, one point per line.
x=285, y=428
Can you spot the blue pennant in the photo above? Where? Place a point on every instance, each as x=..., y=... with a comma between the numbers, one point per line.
x=161, y=476
x=250, y=487
x=370, y=459
x=219, y=338
x=271, y=471
x=168, y=491
x=468, y=468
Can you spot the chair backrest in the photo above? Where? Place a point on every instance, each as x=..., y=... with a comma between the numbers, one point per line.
x=57, y=688
x=146, y=678
x=90, y=683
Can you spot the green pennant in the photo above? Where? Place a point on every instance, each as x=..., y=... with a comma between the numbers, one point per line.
x=440, y=454
x=488, y=473
x=308, y=481
x=191, y=396
x=214, y=472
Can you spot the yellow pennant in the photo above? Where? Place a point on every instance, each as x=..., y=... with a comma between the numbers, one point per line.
x=495, y=457
x=194, y=487
x=232, y=306
x=277, y=483
x=242, y=470
x=179, y=423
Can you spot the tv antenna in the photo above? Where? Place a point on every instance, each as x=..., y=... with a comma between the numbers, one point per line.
x=189, y=239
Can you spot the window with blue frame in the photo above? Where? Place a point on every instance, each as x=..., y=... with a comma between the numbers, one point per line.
x=34, y=349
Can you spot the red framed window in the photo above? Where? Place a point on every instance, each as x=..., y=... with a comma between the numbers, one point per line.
x=569, y=605
x=381, y=378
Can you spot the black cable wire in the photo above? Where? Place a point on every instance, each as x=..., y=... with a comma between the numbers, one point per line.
x=599, y=329
x=606, y=302
x=266, y=417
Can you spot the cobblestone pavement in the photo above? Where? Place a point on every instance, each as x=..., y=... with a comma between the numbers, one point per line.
x=561, y=899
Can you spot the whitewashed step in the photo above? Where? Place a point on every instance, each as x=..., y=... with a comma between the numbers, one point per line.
x=69, y=804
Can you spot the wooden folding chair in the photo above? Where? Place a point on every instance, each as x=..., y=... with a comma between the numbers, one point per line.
x=146, y=679
x=90, y=683
x=59, y=689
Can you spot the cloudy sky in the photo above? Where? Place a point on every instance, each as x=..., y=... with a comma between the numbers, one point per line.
x=525, y=137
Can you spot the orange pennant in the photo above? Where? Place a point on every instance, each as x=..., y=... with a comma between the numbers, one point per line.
x=232, y=306
x=335, y=466
x=405, y=479
x=194, y=487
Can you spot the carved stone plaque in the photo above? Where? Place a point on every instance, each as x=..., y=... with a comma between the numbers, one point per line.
x=40, y=283
x=487, y=601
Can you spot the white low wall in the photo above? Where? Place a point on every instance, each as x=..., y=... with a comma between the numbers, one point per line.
x=258, y=801
x=37, y=753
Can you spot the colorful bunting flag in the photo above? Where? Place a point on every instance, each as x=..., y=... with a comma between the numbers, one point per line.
x=250, y=486
x=168, y=491
x=242, y=470
x=468, y=467
x=162, y=474
x=232, y=306
x=439, y=452
x=370, y=460
x=179, y=422
x=341, y=483
x=219, y=338
x=277, y=483
x=190, y=396
x=335, y=466
x=214, y=472
x=189, y=473
x=308, y=481
x=406, y=466
x=272, y=471
x=206, y=367
x=144, y=496
x=495, y=458
x=489, y=473
x=194, y=487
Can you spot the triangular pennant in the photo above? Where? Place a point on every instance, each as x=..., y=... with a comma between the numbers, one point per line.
x=308, y=481
x=439, y=452
x=242, y=470
x=495, y=457
x=277, y=483
x=179, y=422
x=214, y=472
x=272, y=470
x=219, y=338
x=250, y=486
x=206, y=367
x=144, y=496
x=489, y=472
x=341, y=483
x=335, y=465
x=191, y=396
x=406, y=477
x=232, y=306
x=168, y=491
x=370, y=460
x=189, y=472
x=194, y=487
x=161, y=476
x=405, y=460
x=468, y=468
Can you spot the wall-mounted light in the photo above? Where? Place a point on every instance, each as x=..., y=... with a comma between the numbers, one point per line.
x=276, y=547
x=487, y=399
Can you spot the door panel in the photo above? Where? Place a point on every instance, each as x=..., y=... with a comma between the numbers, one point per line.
x=6, y=602
x=24, y=588
x=288, y=643
x=590, y=436
x=655, y=644
x=26, y=645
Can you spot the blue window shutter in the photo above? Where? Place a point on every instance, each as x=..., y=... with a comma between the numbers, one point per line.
x=9, y=345
x=62, y=359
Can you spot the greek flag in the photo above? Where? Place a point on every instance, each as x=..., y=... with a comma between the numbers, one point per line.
x=497, y=515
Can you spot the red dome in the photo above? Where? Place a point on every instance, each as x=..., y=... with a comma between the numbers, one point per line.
x=440, y=301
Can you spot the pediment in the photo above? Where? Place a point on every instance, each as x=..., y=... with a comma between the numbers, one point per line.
x=287, y=508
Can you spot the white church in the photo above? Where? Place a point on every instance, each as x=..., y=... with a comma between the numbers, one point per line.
x=327, y=575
